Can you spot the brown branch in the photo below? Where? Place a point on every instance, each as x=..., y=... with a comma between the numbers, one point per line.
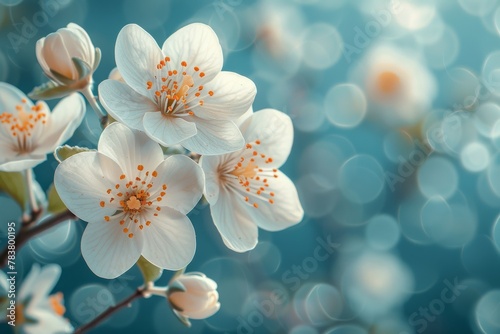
x=110, y=311
x=28, y=231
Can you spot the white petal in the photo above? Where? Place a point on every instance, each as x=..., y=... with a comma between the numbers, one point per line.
x=63, y=121
x=10, y=96
x=233, y=222
x=108, y=251
x=169, y=242
x=205, y=313
x=214, y=137
x=86, y=43
x=198, y=45
x=210, y=165
x=129, y=148
x=57, y=56
x=232, y=95
x=167, y=130
x=136, y=55
x=47, y=322
x=124, y=103
x=274, y=130
x=25, y=162
x=29, y=283
x=184, y=180
x=45, y=282
x=286, y=209
x=82, y=181
x=39, y=56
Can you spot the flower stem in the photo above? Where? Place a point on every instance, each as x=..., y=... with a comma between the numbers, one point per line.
x=31, y=194
x=157, y=291
x=103, y=117
x=110, y=311
x=28, y=231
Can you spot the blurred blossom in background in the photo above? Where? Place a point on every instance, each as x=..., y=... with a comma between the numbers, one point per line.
x=396, y=112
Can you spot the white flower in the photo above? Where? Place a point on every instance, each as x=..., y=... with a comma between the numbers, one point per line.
x=400, y=88
x=55, y=54
x=178, y=94
x=245, y=189
x=199, y=301
x=35, y=310
x=28, y=132
x=134, y=201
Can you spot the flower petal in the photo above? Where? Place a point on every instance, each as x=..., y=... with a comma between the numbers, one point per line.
x=21, y=162
x=234, y=223
x=124, y=103
x=29, y=282
x=184, y=180
x=231, y=96
x=286, y=209
x=10, y=96
x=46, y=322
x=45, y=281
x=108, y=251
x=197, y=45
x=86, y=46
x=136, y=55
x=129, y=148
x=57, y=56
x=169, y=242
x=39, y=46
x=82, y=181
x=63, y=121
x=274, y=130
x=210, y=165
x=214, y=137
x=167, y=130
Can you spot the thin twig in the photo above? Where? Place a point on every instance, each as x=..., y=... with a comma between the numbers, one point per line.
x=110, y=311
x=27, y=231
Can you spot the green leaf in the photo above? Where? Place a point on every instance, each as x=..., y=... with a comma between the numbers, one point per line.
x=63, y=80
x=82, y=68
x=62, y=153
x=172, y=150
x=150, y=272
x=14, y=184
x=185, y=321
x=55, y=203
x=49, y=90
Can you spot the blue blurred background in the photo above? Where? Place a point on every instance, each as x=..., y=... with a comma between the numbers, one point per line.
x=395, y=105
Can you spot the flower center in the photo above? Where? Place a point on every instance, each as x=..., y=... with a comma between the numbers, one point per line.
x=22, y=123
x=253, y=178
x=174, y=90
x=135, y=200
x=388, y=82
x=56, y=303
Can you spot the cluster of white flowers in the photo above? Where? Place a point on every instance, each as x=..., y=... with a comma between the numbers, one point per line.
x=134, y=198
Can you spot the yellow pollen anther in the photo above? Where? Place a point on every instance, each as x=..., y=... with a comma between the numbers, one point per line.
x=102, y=204
x=140, y=167
x=155, y=174
x=131, y=235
